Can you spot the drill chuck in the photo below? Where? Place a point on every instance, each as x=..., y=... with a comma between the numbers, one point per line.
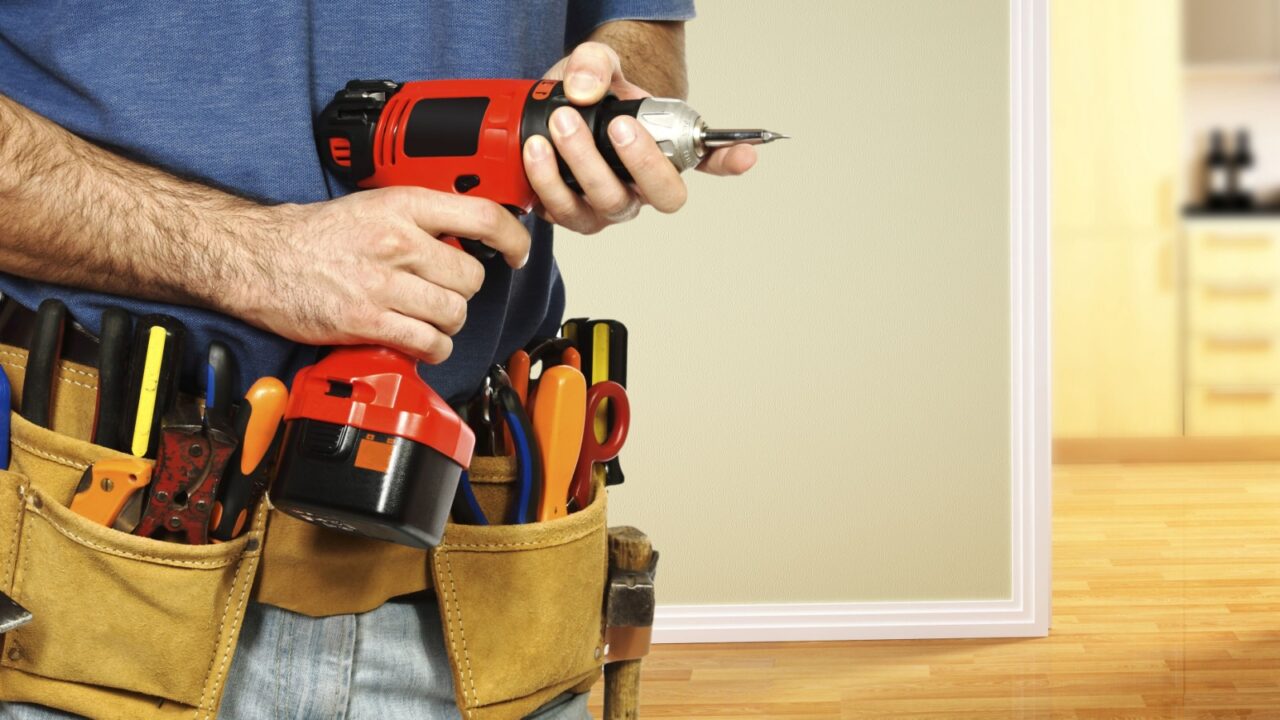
x=676, y=127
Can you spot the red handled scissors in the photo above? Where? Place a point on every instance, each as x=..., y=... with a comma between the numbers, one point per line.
x=597, y=451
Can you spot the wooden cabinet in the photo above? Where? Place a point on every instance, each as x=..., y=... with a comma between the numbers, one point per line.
x=1232, y=32
x=1116, y=346
x=1233, y=327
x=1116, y=111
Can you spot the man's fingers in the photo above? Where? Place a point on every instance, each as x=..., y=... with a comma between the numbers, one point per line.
x=416, y=298
x=733, y=160
x=654, y=175
x=589, y=72
x=412, y=337
x=446, y=266
x=604, y=191
x=562, y=205
x=469, y=217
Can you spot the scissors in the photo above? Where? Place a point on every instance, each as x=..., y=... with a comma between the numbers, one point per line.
x=599, y=451
x=528, y=458
x=604, y=357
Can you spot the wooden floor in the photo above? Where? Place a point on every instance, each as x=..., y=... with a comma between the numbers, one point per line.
x=1166, y=604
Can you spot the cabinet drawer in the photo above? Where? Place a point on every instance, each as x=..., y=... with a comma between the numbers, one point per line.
x=1233, y=357
x=1233, y=410
x=1233, y=251
x=1243, y=304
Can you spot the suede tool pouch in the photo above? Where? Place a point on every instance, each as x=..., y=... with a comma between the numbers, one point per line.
x=123, y=626
x=521, y=605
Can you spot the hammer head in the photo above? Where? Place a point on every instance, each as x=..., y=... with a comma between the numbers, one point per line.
x=629, y=611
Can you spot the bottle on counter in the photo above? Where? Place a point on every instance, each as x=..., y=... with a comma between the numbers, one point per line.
x=1218, y=172
x=1242, y=172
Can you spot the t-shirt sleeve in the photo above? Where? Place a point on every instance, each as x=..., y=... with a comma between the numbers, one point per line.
x=587, y=15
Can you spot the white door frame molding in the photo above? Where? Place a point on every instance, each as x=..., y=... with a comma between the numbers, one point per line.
x=1026, y=612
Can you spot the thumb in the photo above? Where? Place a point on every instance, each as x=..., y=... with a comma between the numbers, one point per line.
x=590, y=71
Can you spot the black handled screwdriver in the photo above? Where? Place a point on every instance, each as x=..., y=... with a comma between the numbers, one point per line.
x=113, y=378
x=257, y=427
x=42, y=361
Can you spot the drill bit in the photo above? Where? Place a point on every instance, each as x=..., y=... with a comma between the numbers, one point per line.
x=725, y=138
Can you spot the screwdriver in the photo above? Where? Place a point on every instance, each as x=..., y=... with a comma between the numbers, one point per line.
x=725, y=138
x=558, y=419
x=256, y=426
x=113, y=378
x=42, y=362
x=153, y=380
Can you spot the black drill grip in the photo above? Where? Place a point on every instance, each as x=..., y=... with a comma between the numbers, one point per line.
x=537, y=119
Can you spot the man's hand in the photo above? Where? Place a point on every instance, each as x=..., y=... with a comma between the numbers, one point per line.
x=370, y=268
x=591, y=71
x=366, y=268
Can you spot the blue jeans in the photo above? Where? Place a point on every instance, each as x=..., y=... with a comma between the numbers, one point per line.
x=386, y=663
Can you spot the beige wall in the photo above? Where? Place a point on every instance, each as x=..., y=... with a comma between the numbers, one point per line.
x=819, y=361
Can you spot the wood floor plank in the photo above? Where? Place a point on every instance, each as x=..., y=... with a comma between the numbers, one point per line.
x=1166, y=602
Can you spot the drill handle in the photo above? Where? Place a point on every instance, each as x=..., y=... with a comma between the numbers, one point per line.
x=537, y=119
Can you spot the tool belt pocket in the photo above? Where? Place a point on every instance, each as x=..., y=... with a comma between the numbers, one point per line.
x=521, y=605
x=120, y=622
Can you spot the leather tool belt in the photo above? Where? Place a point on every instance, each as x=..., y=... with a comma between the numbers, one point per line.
x=133, y=627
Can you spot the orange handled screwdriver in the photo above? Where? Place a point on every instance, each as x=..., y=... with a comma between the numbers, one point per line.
x=257, y=427
x=558, y=417
x=518, y=371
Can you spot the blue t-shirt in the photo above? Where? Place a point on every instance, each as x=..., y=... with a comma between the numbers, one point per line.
x=225, y=92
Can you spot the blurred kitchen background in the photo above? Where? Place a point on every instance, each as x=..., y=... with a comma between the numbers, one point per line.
x=1166, y=230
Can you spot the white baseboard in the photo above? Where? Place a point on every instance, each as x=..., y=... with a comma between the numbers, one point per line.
x=845, y=621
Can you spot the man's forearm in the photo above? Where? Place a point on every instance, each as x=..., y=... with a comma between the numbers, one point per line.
x=74, y=214
x=652, y=54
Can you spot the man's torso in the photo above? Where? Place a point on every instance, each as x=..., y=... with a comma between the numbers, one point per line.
x=224, y=93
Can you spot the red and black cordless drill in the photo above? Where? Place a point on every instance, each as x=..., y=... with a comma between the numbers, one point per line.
x=370, y=448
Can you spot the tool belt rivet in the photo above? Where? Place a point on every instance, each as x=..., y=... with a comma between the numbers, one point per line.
x=15, y=653
x=196, y=450
x=35, y=500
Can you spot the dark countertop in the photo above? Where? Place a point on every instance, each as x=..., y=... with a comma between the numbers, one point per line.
x=1267, y=212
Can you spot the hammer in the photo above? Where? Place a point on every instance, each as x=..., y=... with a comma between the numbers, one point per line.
x=629, y=610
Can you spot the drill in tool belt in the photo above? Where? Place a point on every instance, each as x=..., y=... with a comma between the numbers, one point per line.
x=371, y=448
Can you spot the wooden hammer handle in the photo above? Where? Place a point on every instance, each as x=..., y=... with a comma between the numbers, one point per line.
x=629, y=549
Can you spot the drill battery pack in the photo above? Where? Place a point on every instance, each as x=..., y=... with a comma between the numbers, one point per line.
x=371, y=449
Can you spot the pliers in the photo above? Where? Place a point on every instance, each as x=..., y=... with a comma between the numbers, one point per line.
x=500, y=398
x=193, y=454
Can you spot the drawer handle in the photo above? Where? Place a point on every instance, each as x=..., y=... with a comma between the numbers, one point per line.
x=1240, y=241
x=1239, y=341
x=1241, y=392
x=1240, y=287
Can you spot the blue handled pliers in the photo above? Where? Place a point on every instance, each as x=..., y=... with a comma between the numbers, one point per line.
x=505, y=403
